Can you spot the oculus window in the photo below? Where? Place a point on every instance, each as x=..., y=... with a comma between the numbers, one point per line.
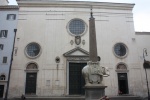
x=32, y=50
x=77, y=27
x=120, y=50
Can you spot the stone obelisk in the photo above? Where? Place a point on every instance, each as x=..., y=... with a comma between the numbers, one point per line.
x=93, y=72
x=92, y=38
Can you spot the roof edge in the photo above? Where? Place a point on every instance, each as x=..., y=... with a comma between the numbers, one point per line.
x=84, y=4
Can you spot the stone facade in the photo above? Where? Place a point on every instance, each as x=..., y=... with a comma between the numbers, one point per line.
x=7, y=24
x=46, y=23
x=4, y=2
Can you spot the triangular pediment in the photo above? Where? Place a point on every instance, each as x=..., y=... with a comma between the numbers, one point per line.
x=76, y=52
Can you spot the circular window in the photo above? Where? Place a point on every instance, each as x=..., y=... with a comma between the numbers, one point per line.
x=33, y=50
x=77, y=27
x=120, y=50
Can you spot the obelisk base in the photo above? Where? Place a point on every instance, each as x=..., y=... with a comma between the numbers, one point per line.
x=94, y=92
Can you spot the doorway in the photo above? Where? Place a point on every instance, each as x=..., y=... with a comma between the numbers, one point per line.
x=123, y=83
x=76, y=80
x=30, y=83
x=1, y=91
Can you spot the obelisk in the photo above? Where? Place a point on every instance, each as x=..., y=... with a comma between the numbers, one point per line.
x=93, y=72
x=92, y=38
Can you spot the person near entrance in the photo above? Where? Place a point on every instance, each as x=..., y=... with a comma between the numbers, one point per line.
x=23, y=97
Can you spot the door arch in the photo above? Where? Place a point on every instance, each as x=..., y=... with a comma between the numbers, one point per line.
x=31, y=78
x=122, y=74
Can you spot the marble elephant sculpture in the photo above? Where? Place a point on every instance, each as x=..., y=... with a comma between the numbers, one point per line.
x=90, y=78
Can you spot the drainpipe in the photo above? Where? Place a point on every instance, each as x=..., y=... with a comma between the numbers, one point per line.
x=145, y=51
x=7, y=88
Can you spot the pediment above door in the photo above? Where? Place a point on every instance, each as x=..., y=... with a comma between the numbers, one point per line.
x=77, y=54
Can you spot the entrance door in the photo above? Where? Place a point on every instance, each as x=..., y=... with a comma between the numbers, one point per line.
x=1, y=91
x=31, y=83
x=123, y=83
x=76, y=80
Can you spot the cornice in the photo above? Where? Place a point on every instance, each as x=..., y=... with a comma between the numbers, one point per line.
x=142, y=33
x=74, y=4
x=9, y=7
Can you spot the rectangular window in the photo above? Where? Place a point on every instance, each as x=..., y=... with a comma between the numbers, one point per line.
x=1, y=46
x=3, y=33
x=4, y=59
x=11, y=16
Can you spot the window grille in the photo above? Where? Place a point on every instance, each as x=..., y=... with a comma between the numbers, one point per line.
x=120, y=49
x=77, y=27
x=33, y=49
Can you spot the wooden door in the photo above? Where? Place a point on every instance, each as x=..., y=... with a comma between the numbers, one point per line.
x=76, y=80
x=31, y=83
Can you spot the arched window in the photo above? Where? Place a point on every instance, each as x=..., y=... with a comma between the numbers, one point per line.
x=2, y=77
x=121, y=67
x=32, y=66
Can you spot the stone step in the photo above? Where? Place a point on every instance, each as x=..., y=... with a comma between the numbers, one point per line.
x=125, y=98
x=78, y=98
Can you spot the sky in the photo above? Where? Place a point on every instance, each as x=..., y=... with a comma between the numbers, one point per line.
x=141, y=12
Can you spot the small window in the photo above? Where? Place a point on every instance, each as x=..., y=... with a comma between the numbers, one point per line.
x=11, y=16
x=4, y=59
x=1, y=46
x=2, y=77
x=3, y=33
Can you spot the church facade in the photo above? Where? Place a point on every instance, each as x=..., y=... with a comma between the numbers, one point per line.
x=52, y=47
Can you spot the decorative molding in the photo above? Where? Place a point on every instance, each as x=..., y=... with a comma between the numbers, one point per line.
x=142, y=33
x=69, y=53
x=83, y=42
x=9, y=7
x=77, y=40
x=71, y=42
x=76, y=4
x=78, y=58
x=31, y=70
x=70, y=57
x=122, y=71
